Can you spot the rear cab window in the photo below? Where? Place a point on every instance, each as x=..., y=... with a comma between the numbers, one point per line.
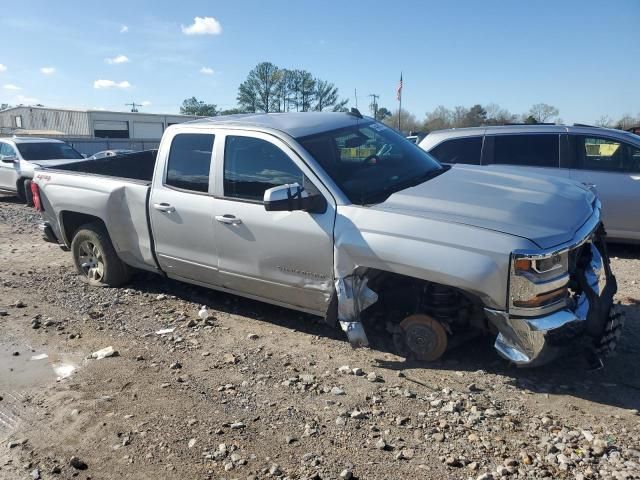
x=189, y=162
x=459, y=150
x=606, y=154
x=532, y=150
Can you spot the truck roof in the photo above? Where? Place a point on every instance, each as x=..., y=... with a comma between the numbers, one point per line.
x=295, y=124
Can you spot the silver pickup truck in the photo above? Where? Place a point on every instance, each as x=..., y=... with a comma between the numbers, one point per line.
x=337, y=215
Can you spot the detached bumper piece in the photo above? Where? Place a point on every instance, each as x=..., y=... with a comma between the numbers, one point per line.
x=536, y=341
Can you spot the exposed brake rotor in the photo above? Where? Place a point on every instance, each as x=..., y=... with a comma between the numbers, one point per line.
x=421, y=337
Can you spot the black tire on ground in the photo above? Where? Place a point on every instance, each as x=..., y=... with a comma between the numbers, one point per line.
x=28, y=196
x=95, y=258
x=20, y=190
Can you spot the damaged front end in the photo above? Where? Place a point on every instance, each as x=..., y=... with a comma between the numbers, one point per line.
x=557, y=298
x=354, y=296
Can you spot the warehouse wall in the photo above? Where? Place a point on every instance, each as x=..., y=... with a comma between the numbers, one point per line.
x=70, y=122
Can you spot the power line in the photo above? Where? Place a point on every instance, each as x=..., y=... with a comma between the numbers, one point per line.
x=374, y=104
x=133, y=106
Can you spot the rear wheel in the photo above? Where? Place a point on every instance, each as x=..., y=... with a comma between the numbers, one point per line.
x=95, y=258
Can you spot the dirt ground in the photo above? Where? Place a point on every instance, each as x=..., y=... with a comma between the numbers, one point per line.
x=263, y=392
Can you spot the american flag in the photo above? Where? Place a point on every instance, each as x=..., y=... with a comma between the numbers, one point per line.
x=399, y=92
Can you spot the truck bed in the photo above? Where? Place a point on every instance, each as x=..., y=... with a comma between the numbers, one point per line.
x=134, y=166
x=114, y=190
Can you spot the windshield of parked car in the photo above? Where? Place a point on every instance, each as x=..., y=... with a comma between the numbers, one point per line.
x=47, y=151
x=370, y=161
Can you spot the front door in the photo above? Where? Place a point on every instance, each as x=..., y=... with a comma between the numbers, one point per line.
x=8, y=170
x=285, y=257
x=181, y=208
x=614, y=168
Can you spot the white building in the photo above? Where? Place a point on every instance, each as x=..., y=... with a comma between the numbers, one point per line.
x=86, y=123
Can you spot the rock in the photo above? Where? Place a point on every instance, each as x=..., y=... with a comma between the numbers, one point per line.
x=526, y=458
x=438, y=437
x=473, y=437
x=346, y=474
x=358, y=414
x=307, y=379
x=253, y=336
x=472, y=387
x=452, y=462
x=341, y=421
x=229, y=358
x=192, y=323
x=237, y=426
x=104, y=353
x=599, y=447
x=373, y=377
x=203, y=313
x=289, y=440
x=381, y=444
x=357, y=371
x=588, y=436
x=78, y=464
x=402, y=421
x=510, y=462
x=175, y=366
x=406, y=454
x=55, y=470
x=473, y=466
x=485, y=476
x=192, y=443
x=35, y=474
x=162, y=296
x=3, y=312
x=20, y=304
x=344, y=369
x=275, y=470
x=337, y=391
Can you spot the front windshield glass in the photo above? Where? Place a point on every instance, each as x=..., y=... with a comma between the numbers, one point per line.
x=47, y=151
x=370, y=161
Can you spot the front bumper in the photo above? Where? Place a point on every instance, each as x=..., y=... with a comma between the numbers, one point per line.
x=535, y=341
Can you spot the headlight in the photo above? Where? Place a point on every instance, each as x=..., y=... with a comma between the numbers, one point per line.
x=538, y=283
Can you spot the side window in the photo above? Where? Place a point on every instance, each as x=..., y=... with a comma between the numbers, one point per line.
x=189, y=161
x=536, y=150
x=605, y=154
x=252, y=165
x=459, y=150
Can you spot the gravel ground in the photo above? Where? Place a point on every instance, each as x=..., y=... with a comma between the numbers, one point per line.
x=256, y=391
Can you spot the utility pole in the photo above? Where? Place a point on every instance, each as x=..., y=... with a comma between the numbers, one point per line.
x=133, y=106
x=374, y=104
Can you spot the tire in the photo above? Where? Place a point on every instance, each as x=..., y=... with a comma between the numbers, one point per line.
x=95, y=258
x=28, y=196
x=20, y=192
x=606, y=345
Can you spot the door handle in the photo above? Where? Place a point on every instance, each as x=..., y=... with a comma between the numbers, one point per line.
x=164, y=207
x=228, y=219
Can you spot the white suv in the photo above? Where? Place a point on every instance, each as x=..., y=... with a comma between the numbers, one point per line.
x=605, y=159
x=19, y=156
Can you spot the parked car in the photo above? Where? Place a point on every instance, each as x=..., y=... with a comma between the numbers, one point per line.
x=19, y=156
x=604, y=158
x=110, y=153
x=338, y=215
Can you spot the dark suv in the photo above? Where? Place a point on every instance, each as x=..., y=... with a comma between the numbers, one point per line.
x=606, y=158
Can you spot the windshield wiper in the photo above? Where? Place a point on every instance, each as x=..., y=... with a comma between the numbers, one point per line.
x=386, y=192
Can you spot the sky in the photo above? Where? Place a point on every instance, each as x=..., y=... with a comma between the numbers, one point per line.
x=581, y=56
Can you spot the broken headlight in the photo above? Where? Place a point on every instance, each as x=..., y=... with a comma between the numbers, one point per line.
x=538, y=283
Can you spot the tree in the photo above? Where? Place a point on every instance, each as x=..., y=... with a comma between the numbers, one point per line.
x=498, y=116
x=530, y=119
x=604, y=121
x=408, y=121
x=476, y=116
x=193, y=106
x=259, y=92
x=543, y=112
x=326, y=95
x=231, y=111
x=626, y=122
x=382, y=113
x=438, y=119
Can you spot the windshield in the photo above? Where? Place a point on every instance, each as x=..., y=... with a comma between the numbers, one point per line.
x=47, y=151
x=369, y=162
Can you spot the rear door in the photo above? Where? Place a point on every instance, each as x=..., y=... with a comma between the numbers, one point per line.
x=181, y=207
x=285, y=257
x=613, y=166
x=8, y=171
x=537, y=153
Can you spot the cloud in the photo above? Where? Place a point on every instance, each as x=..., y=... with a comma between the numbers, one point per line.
x=117, y=60
x=111, y=84
x=3, y=68
x=203, y=26
x=146, y=103
x=23, y=99
x=11, y=86
x=206, y=70
x=124, y=29
x=48, y=70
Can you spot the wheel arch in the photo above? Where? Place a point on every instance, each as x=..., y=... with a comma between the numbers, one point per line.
x=71, y=221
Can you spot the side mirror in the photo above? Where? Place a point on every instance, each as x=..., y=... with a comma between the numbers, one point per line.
x=11, y=159
x=291, y=197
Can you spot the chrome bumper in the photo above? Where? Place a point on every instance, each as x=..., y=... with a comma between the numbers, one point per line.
x=535, y=341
